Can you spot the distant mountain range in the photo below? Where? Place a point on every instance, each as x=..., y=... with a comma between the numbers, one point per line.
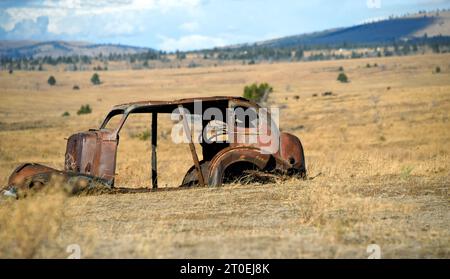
x=382, y=31
x=420, y=25
x=62, y=48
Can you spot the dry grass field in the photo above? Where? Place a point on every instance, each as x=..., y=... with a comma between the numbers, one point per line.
x=377, y=150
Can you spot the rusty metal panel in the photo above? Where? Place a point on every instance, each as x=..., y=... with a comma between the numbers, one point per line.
x=92, y=153
x=291, y=152
x=184, y=102
x=22, y=173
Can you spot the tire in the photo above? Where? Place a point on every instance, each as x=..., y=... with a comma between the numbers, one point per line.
x=191, y=178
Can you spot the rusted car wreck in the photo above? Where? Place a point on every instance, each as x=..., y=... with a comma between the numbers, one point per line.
x=91, y=155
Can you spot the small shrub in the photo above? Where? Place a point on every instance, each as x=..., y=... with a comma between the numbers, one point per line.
x=192, y=64
x=256, y=92
x=342, y=78
x=375, y=65
x=95, y=79
x=437, y=70
x=76, y=87
x=51, y=80
x=406, y=172
x=65, y=114
x=297, y=97
x=368, y=65
x=341, y=69
x=145, y=135
x=86, y=109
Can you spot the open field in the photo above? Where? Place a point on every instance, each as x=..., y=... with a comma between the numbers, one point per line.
x=378, y=149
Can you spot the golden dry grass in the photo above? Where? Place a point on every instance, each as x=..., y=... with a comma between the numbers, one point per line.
x=379, y=146
x=30, y=226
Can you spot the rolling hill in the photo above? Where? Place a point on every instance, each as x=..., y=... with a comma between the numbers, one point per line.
x=62, y=48
x=383, y=31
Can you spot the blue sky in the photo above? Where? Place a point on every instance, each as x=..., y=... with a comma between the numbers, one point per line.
x=189, y=24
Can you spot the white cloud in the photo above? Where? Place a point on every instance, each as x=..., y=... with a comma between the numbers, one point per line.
x=190, y=42
x=118, y=4
x=166, y=5
x=373, y=4
x=30, y=28
x=17, y=15
x=61, y=13
x=190, y=26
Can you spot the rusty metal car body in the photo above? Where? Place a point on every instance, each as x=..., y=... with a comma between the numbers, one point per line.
x=92, y=154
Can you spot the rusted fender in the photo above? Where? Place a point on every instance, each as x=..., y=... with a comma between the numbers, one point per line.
x=31, y=176
x=22, y=176
x=231, y=155
x=291, y=152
